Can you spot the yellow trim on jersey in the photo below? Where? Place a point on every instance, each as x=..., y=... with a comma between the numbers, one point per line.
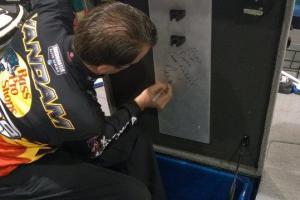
x=41, y=78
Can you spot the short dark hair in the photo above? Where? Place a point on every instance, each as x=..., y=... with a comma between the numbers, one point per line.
x=113, y=34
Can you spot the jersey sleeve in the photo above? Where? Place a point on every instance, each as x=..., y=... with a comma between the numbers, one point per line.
x=55, y=16
x=110, y=129
x=115, y=126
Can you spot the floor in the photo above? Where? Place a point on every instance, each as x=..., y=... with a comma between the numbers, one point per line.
x=281, y=174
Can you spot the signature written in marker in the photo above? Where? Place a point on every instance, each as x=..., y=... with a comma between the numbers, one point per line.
x=182, y=65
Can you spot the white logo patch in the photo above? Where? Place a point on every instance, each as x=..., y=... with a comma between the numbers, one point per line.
x=55, y=60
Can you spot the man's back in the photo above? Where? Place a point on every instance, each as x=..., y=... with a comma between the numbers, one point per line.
x=46, y=97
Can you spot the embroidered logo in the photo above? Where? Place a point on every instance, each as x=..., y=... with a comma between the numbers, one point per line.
x=15, y=90
x=55, y=60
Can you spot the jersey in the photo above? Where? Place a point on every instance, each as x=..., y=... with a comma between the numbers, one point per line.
x=47, y=95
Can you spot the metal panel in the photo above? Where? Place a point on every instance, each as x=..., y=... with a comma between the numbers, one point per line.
x=186, y=64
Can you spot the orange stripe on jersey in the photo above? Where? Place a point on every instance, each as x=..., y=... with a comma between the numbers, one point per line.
x=18, y=151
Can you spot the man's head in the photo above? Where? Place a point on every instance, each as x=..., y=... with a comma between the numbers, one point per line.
x=113, y=36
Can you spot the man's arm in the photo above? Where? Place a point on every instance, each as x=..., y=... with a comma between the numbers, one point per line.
x=114, y=127
x=156, y=96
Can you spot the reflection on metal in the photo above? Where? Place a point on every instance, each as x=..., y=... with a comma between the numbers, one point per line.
x=183, y=57
x=210, y=161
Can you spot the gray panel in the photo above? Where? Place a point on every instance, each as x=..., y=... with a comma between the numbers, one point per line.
x=186, y=66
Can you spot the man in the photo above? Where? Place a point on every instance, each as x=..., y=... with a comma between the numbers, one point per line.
x=48, y=101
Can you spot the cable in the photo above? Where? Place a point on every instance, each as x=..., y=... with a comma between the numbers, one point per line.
x=236, y=173
x=244, y=143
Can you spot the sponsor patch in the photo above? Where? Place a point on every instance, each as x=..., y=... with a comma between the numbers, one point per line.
x=15, y=90
x=55, y=60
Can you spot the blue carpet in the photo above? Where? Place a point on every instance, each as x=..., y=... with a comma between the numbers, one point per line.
x=189, y=181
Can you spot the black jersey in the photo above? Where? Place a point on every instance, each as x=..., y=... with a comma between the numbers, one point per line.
x=47, y=94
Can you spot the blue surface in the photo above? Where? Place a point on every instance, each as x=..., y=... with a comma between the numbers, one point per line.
x=297, y=8
x=189, y=181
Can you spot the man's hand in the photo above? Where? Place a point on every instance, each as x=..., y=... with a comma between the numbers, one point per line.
x=155, y=96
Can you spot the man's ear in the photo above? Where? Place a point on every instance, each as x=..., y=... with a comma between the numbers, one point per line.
x=106, y=69
x=101, y=69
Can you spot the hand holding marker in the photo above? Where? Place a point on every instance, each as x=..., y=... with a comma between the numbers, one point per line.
x=157, y=96
x=161, y=92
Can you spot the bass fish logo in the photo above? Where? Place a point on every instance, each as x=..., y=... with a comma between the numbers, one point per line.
x=15, y=90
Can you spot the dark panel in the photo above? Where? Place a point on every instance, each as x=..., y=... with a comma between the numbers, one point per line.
x=243, y=59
